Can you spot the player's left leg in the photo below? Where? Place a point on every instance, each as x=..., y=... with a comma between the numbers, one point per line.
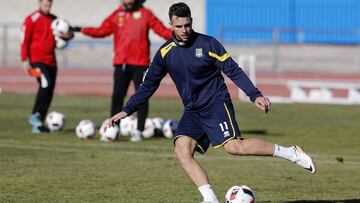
x=258, y=147
x=50, y=74
x=249, y=147
x=222, y=128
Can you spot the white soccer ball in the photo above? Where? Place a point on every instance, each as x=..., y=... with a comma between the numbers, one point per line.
x=158, y=122
x=149, y=129
x=169, y=128
x=126, y=126
x=60, y=43
x=108, y=134
x=239, y=194
x=85, y=129
x=55, y=121
x=60, y=26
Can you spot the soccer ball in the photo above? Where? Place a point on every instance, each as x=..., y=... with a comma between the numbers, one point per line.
x=55, y=121
x=169, y=128
x=60, y=43
x=62, y=32
x=159, y=123
x=108, y=134
x=239, y=194
x=126, y=125
x=85, y=129
x=60, y=26
x=148, y=129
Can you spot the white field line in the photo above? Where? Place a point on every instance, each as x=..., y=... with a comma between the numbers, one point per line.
x=167, y=80
x=130, y=152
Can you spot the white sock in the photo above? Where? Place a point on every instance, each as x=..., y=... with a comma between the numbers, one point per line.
x=208, y=194
x=287, y=153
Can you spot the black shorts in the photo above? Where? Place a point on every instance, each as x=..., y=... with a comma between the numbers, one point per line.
x=215, y=125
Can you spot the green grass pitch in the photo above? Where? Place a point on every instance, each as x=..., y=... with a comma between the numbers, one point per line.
x=59, y=167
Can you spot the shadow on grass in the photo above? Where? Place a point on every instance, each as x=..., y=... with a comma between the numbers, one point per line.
x=259, y=132
x=326, y=201
x=254, y=132
x=68, y=130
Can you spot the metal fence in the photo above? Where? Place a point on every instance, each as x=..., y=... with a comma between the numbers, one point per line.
x=272, y=54
x=282, y=49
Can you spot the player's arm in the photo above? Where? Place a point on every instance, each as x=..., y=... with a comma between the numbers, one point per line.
x=26, y=32
x=106, y=28
x=223, y=61
x=151, y=82
x=158, y=27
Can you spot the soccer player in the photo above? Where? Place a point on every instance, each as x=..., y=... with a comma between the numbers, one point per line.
x=38, y=59
x=195, y=62
x=130, y=24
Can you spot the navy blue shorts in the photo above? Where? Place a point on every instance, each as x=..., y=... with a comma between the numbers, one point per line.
x=215, y=125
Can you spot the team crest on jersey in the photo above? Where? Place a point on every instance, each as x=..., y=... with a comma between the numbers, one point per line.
x=137, y=15
x=121, y=18
x=199, y=53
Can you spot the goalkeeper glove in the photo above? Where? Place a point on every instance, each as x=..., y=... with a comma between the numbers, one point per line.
x=76, y=29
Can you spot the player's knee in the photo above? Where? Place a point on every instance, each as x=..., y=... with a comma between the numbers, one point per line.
x=182, y=151
x=235, y=147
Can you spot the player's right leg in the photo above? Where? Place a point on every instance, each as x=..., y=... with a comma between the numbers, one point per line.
x=43, y=98
x=120, y=87
x=190, y=138
x=184, y=149
x=35, y=118
x=137, y=74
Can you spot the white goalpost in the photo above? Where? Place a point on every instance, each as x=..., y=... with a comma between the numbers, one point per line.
x=247, y=63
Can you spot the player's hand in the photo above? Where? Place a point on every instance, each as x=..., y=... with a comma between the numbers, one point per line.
x=25, y=66
x=263, y=103
x=76, y=29
x=116, y=117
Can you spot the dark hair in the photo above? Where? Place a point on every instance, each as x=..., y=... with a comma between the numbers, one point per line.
x=180, y=10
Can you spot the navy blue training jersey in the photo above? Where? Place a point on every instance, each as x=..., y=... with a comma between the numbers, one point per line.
x=195, y=68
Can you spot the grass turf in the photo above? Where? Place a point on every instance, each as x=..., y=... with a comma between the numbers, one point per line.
x=59, y=167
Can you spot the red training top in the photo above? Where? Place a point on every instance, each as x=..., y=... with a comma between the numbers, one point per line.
x=131, y=34
x=37, y=39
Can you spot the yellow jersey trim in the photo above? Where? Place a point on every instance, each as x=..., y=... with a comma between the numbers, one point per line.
x=220, y=58
x=200, y=147
x=166, y=49
x=232, y=127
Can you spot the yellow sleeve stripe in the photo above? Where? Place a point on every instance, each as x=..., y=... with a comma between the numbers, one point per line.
x=220, y=58
x=166, y=49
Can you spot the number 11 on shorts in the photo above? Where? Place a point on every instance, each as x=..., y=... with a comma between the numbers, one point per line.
x=224, y=128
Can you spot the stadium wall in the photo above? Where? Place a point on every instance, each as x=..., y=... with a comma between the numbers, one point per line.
x=305, y=21
x=82, y=50
x=93, y=12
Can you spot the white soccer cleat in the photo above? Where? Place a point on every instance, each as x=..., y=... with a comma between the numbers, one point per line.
x=304, y=160
x=136, y=136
